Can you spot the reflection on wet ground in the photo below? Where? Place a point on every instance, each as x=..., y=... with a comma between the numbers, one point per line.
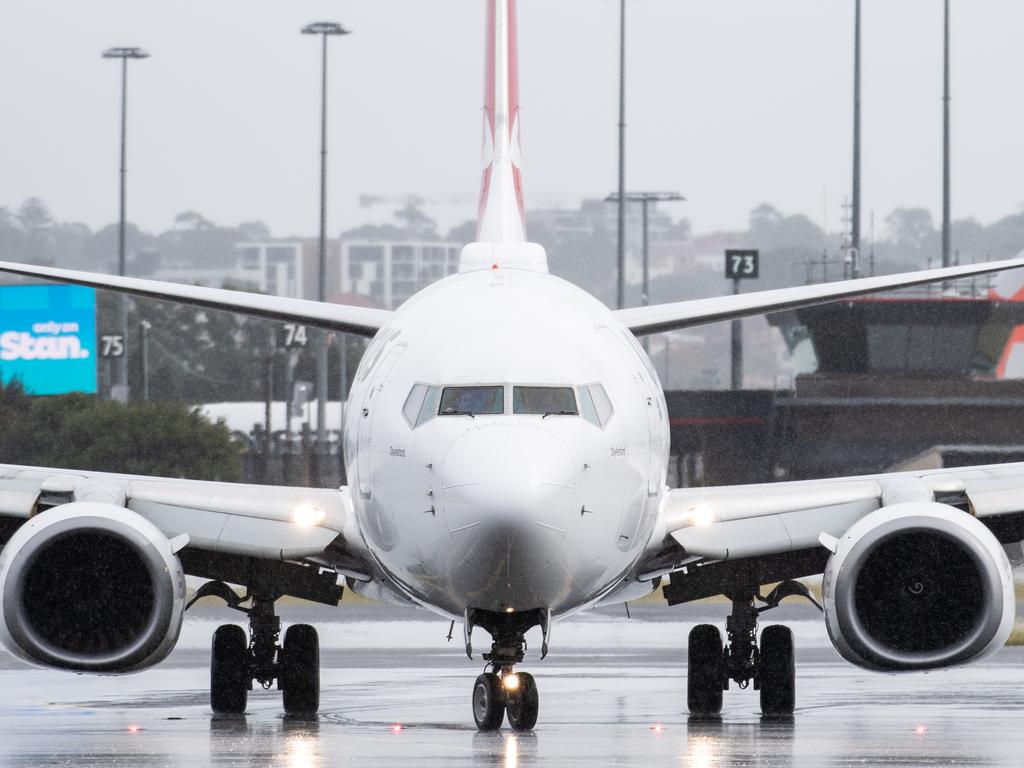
x=602, y=703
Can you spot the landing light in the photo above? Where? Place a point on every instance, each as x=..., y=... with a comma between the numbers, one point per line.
x=921, y=730
x=134, y=729
x=396, y=728
x=305, y=515
x=509, y=610
x=657, y=727
x=701, y=514
x=511, y=682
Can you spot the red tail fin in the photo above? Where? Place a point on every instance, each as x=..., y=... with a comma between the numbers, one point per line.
x=501, y=218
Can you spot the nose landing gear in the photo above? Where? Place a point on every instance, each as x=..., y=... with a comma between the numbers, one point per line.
x=502, y=691
x=770, y=665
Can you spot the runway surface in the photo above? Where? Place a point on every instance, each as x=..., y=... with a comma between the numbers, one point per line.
x=612, y=693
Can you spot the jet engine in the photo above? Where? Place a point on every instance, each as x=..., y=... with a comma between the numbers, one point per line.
x=90, y=587
x=918, y=586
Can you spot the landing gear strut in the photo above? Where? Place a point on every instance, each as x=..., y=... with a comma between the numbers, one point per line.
x=500, y=690
x=237, y=661
x=769, y=665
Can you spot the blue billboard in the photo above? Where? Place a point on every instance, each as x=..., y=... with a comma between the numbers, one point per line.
x=48, y=338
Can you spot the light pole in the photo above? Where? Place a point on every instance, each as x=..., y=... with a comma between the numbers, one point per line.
x=621, y=294
x=947, y=259
x=324, y=29
x=145, y=325
x=855, y=210
x=123, y=54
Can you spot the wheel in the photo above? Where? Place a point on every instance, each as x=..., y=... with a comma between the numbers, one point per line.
x=488, y=702
x=705, y=671
x=229, y=670
x=300, y=670
x=778, y=672
x=523, y=704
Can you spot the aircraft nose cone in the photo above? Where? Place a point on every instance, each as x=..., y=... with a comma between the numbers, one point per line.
x=507, y=496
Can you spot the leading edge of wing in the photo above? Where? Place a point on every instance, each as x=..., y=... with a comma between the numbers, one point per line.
x=685, y=314
x=362, y=321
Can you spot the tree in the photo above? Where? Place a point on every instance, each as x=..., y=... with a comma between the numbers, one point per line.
x=764, y=219
x=418, y=225
x=78, y=432
x=37, y=223
x=192, y=220
x=463, y=233
x=34, y=216
x=912, y=233
x=254, y=230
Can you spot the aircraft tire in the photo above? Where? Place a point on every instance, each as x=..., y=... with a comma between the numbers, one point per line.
x=300, y=670
x=229, y=670
x=523, y=706
x=778, y=672
x=704, y=671
x=488, y=702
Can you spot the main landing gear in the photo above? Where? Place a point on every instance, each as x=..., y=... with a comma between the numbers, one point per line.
x=770, y=664
x=237, y=661
x=500, y=690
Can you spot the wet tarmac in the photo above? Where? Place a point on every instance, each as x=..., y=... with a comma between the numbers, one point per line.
x=612, y=693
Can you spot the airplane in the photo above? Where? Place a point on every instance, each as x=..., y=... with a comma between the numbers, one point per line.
x=506, y=442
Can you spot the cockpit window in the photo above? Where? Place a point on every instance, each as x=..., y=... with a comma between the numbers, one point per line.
x=587, y=409
x=414, y=403
x=546, y=401
x=595, y=405
x=429, y=408
x=466, y=401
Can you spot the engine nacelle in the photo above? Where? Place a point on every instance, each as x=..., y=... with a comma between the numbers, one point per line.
x=918, y=586
x=90, y=587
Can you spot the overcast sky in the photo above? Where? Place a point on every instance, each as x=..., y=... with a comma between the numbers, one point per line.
x=732, y=102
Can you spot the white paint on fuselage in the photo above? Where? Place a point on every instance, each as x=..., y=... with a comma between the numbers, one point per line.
x=505, y=511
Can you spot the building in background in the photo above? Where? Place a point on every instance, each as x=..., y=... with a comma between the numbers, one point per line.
x=389, y=272
x=276, y=267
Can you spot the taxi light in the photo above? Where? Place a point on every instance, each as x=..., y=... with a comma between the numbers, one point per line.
x=305, y=515
x=510, y=682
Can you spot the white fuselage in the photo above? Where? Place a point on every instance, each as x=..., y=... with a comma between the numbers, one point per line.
x=505, y=511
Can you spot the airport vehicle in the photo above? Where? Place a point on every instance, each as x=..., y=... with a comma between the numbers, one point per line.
x=506, y=444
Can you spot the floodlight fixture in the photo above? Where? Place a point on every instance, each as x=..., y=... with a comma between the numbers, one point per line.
x=325, y=28
x=125, y=53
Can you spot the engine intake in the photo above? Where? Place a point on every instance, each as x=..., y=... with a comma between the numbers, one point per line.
x=918, y=586
x=90, y=587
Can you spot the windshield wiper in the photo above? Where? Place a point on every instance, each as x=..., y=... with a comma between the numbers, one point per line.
x=558, y=413
x=453, y=412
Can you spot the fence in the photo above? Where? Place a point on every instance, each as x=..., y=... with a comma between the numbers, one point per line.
x=292, y=459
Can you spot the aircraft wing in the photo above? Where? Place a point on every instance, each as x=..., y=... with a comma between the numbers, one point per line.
x=223, y=527
x=753, y=523
x=362, y=321
x=685, y=314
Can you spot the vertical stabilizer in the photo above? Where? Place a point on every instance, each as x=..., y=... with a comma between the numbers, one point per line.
x=501, y=218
